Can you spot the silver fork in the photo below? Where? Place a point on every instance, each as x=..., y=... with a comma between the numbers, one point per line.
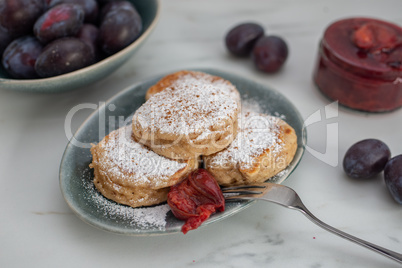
x=287, y=197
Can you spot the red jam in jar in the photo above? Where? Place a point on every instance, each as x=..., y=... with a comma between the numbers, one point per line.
x=360, y=64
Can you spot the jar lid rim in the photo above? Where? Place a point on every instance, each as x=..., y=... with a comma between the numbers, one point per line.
x=339, y=53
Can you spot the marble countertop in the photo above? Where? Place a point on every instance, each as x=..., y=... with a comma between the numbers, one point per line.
x=38, y=229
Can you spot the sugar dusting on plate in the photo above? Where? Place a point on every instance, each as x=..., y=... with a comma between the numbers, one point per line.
x=140, y=218
x=254, y=106
x=147, y=217
x=251, y=105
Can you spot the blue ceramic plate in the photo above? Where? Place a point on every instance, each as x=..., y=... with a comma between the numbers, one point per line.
x=76, y=177
x=149, y=11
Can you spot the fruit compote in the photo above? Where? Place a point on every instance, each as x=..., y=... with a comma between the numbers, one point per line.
x=195, y=199
x=360, y=64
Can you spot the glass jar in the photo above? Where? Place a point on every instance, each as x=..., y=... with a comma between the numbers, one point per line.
x=360, y=64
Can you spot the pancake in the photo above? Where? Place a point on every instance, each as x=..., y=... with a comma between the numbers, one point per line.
x=196, y=115
x=130, y=173
x=170, y=80
x=264, y=146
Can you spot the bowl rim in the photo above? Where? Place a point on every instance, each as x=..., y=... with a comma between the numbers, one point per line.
x=92, y=67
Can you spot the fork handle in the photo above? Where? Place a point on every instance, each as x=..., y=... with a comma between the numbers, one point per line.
x=385, y=252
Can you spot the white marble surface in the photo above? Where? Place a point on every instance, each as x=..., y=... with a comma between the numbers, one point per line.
x=37, y=228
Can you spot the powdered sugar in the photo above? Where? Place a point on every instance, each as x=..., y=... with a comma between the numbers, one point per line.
x=129, y=157
x=132, y=161
x=140, y=218
x=258, y=133
x=282, y=173
x=254, y=106
x=251, y=105
x=190, y=105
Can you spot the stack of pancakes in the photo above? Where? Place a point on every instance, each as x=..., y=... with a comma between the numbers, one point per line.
x=187, y=116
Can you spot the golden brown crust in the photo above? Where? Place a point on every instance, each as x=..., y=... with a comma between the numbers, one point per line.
x=188, y=147
x=234, y=167
x=130, y=196
x=165, y=82
x=130, y=173
x=188, y=114
x=171, y=79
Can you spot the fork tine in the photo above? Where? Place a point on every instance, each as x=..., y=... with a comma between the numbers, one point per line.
x=237, y=193
x=251, y=186
x=236, y=198
x=249, y=191
x=242, y=192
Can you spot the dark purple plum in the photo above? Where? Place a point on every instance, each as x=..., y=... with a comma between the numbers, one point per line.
x=59, y=21
x=120, y=26
x=240, y=40
x=5, y=39
x=18, y=16
x=270, y=53
x=366, y=158
x=62, y=56
x=112, y=5
x=89, y=33
x=20, y=56
x=91, y=8
x=393, y=177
